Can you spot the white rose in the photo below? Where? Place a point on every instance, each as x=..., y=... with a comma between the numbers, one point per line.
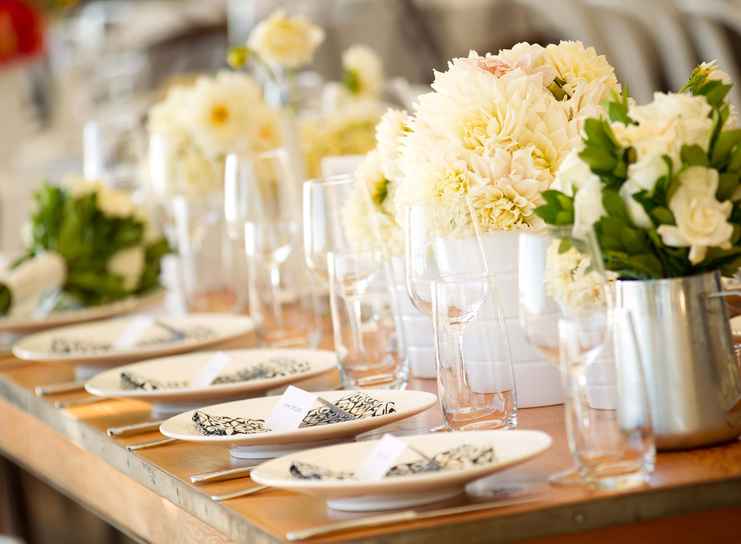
x=111, y=202
x=286, y=41
x=646, y=171
x=572, y=174
x=129, y=264
x=366, y=67
x=390, y=134
x=702, y=221
x=588, y=208
x=636, y=212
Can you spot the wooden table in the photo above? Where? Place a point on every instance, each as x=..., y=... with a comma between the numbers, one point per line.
x=692, y=495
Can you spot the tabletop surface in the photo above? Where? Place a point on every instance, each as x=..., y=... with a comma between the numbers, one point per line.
x=683, y=482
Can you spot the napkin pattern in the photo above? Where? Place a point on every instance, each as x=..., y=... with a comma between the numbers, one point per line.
x=458, y=458
x=61, y=345
x=359, y=405
x=274, y=368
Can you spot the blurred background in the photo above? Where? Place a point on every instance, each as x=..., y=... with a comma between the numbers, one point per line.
x=70, y=68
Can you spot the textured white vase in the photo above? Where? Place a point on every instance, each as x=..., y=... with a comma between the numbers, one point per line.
x=538, y=381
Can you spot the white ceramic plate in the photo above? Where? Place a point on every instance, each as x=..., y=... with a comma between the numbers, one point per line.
x=511, y=448
x=273, y=444
x=206, y=330
x=29, y=325
x=183, y=368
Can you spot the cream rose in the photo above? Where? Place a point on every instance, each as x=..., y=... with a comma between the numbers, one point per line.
x=286, y=41
x=702, y=221
x=588, y=207
x=129, y=264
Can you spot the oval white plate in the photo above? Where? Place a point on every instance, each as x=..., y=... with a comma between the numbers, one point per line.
x=511, y=448
x=185, y=367
x=407, y=403
x=29, y=325
x=37, y=347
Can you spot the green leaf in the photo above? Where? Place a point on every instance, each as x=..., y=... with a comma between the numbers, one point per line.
x=633, y=241
x=694, y=155
x=727, y=185
x=734, y=162
x=565, y=245
x=662, y=216
x=351, y=81
x=726, y=141
x=614, y=206
x=564, y=218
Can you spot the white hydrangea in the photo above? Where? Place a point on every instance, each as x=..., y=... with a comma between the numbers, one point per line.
x=390, y=132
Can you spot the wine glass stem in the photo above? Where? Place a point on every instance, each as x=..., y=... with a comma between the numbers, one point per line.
x=356, y=309
x=275, y=295
x=461, y=363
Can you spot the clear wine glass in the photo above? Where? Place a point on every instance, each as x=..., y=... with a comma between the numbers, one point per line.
x=559, y=277
x=324, y=225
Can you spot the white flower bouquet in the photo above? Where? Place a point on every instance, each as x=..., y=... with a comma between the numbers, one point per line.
x=369, y=215
x=91, y=241
x=494, y=131
x=201, y=123
x=660, y=183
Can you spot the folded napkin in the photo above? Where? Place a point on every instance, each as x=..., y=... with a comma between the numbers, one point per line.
x=274, y=368
x=458, y=458
x=359, y=405
x=22, y=288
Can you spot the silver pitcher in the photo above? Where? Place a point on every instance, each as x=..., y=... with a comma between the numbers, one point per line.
x=692, y=374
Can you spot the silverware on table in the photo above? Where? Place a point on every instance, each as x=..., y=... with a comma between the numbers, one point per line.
x=135, y=428
x=150, y=444
x=429, y=460
x=237, y=494
x=221, y=475
x=177, y=334
x=336, y=409
x=398, y=517
x=71, y=403
x=55, y=388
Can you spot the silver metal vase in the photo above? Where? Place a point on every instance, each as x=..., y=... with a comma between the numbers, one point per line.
x=692, y=374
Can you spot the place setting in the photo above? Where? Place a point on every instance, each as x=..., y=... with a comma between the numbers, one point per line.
x=183, y=382
x=90, y=348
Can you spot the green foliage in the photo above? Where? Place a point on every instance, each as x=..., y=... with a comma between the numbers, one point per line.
x=86, y=238
x=351, y=81
x=638, y=252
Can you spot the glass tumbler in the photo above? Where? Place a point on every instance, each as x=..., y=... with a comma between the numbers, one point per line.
x=608, y=419
x=475, y=379
x=368, y=340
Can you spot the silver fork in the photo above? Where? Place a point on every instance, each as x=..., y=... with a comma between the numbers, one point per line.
x=177, y=334
x=221, y=475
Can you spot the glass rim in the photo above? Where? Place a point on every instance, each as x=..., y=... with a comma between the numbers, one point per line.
x=335, y=179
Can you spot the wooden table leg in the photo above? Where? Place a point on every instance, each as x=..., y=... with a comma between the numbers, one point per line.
x=13, y=513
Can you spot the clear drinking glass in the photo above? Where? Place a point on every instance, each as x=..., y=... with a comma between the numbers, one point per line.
x=368, y=340
x=475, y=378
x=608, y=419
x=266, y=201
x=113, y=151
x=206, y=261
x=559, y=276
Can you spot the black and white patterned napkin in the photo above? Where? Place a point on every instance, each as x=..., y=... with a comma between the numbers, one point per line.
x=273, y=368
x=458, y=458
x=359, y=405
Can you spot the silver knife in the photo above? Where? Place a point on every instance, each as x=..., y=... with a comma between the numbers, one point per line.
x=241, y=493
x=136, y=428
x=221, y=475
x=54, y=388
x=398, y=517
x=78, y=402
x=151, y=444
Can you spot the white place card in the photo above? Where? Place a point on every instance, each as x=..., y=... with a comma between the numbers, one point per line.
x=381, y=458
x=133, y=332
x=208, y=372
x=291, y=409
